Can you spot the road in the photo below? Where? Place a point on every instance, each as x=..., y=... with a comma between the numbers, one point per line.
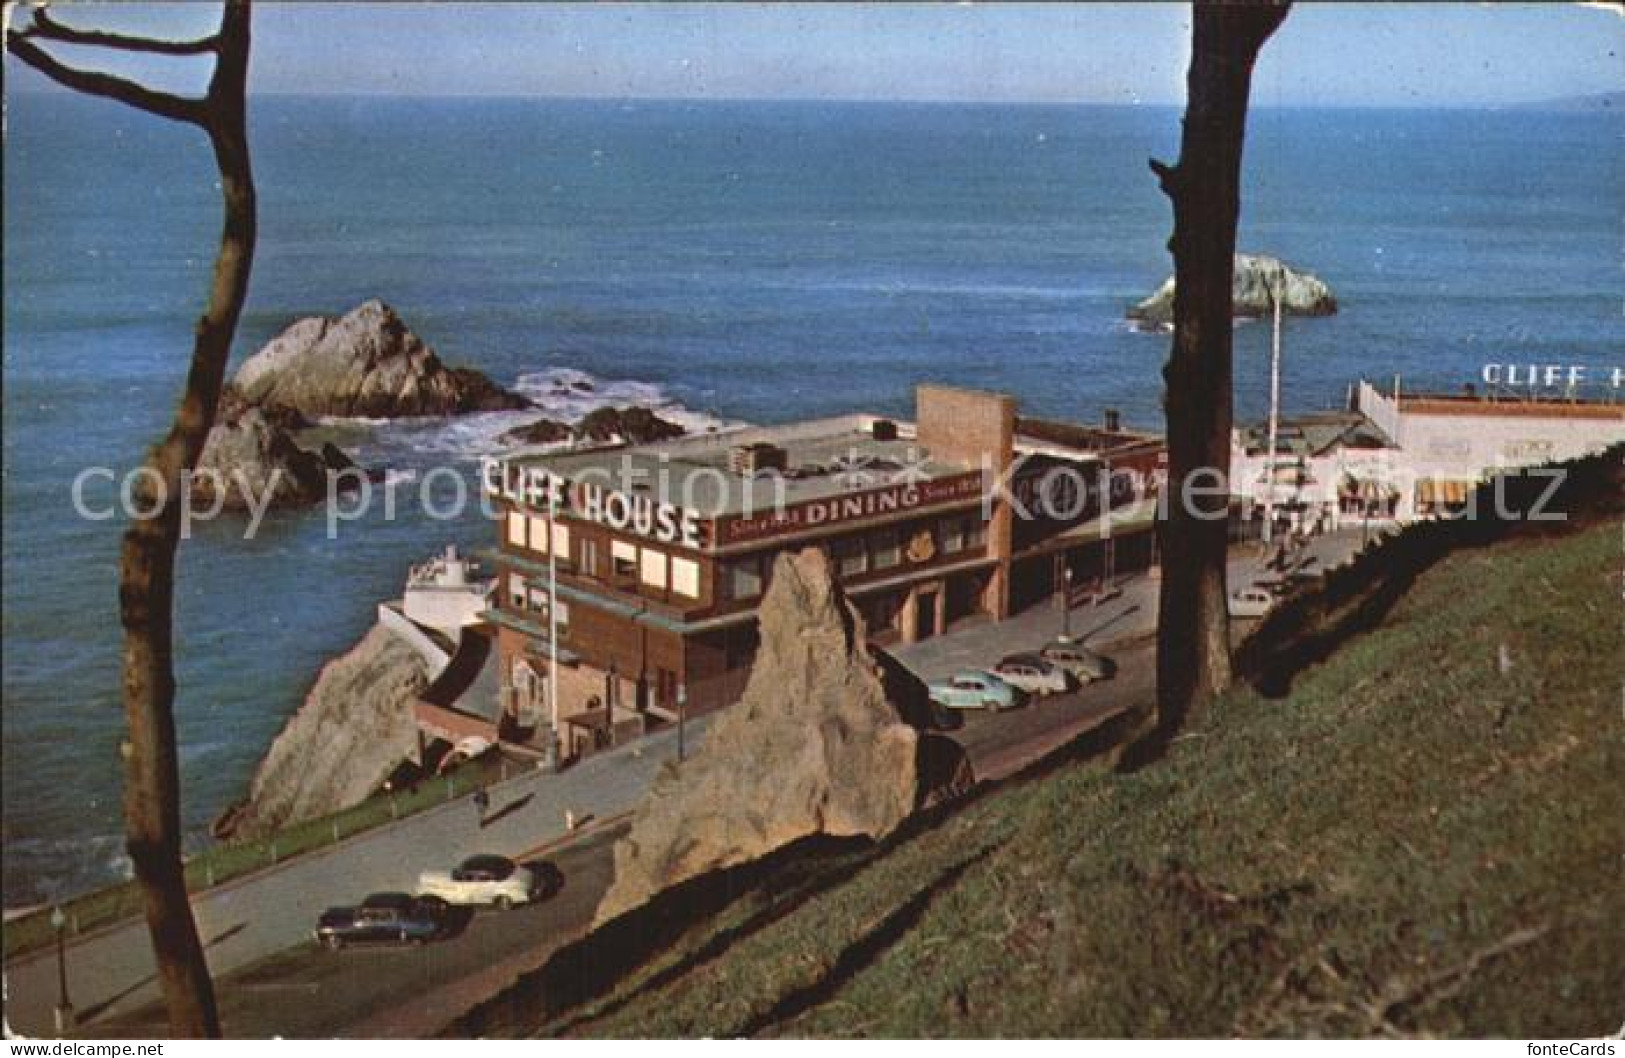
x=111, y=971
x=307, y=992
x=272, y=980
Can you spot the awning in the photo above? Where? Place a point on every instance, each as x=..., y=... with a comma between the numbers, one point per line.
x=1443, y=490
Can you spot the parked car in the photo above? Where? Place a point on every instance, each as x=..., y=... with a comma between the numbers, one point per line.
x=485, y=880
x=974, y=689
x=1255, y=601
x=1084, y=664
x=384, y=918
x=1033, y=674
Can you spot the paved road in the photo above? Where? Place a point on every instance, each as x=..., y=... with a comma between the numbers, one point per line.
x=111, y=971
x=307, y=992
x=255, y=929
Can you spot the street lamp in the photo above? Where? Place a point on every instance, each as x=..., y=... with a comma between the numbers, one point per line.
x=64, y=1009
x=682, y=717
x=1066, y=602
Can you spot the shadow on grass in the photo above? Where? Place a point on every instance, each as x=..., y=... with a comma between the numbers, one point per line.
x=1355, y=598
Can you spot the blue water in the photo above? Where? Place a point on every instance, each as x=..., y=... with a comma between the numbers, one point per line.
x=760, y=262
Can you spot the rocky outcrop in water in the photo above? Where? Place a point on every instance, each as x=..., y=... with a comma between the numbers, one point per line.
x=634, y=425
x=367, y=363
x=354, y=728
x=540, y=432
x=1257, y=276
x=813, y=747
x=251, y=451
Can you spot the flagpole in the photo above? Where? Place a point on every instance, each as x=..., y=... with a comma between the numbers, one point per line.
x=553, y=612
x=1275, y=413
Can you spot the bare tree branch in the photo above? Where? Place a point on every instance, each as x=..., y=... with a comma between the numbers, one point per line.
x=163, y=104
x=47, y=28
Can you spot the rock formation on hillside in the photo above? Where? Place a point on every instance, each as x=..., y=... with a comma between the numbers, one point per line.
x=250, y=450
x=367, y=363
x=813, y=747
x=1256, y=277
x=354, y=728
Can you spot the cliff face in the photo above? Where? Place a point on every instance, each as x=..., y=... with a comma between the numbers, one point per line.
x=366, y=363
x=354, y=727
x=250, y=451
x=813, y=747
x=1256, y=277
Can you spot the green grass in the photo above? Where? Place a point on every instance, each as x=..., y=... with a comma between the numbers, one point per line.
x=225, y=862
x=1413, y=842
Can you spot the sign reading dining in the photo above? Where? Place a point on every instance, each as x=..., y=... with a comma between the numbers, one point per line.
x=835, y=510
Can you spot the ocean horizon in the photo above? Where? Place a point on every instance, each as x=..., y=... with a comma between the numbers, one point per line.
x=723, y=261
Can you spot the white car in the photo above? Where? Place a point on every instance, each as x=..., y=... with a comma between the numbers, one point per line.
x=1255, y=601
x=1033, y=674
x=483, y=880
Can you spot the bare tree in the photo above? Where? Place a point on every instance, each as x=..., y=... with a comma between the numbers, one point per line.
x=1193, y=628
x=147, y=561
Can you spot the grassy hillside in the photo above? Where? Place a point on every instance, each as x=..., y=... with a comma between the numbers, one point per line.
x=1424, y=837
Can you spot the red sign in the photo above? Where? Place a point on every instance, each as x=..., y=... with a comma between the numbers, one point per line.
x=850, y=507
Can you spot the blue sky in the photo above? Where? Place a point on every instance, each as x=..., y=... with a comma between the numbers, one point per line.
x=1325, y=54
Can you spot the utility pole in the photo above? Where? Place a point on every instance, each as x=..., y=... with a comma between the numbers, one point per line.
x=682, y=719
x=1275, y=412
x=64, y=1009
x=553, y=617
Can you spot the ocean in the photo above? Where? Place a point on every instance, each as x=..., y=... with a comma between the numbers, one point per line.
x=726, y=262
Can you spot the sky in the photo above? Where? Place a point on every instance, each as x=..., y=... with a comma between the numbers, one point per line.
x=1405, y=54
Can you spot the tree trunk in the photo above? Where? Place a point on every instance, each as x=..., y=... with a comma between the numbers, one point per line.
x=1193, y=628
x=152, y=816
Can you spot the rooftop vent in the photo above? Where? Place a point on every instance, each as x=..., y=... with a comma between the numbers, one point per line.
x=884, y=430
x=756, y=457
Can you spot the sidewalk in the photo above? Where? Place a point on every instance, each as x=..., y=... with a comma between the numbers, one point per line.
x=112, y=971
x=1129, y=616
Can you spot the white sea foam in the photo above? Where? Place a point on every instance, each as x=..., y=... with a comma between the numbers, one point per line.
x=563, y=394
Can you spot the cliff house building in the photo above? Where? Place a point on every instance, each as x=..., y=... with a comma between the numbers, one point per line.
x=661, y=553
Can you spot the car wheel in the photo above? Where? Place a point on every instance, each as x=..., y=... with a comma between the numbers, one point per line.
x=332, y=943
x=941, y=715
x=994, y=705
x=503, y=903
x=418, y=942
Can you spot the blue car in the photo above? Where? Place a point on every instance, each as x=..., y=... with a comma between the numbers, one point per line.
x=974, y=689
x=384, y=918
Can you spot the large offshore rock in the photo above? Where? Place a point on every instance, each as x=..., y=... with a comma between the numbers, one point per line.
x=354, y=728
x=813, y=747
x=250, y=451
x=1257, y=276
x=367, y=363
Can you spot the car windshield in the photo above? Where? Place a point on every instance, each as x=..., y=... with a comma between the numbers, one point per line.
x=484, y=869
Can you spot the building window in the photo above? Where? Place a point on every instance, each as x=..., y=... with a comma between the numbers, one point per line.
x=623, y=558
x=654, y=568
x=953, y=535
x=589, y=557
x=538, y=533
x=888, y=551
x=851, y=559
x=516, y=529
x=744, y=577
x=975, y=532
x=516, y=591
x=561, y=541
x=685, y=577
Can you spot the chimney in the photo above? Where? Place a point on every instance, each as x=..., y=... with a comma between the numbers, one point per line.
x=1113, y=420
